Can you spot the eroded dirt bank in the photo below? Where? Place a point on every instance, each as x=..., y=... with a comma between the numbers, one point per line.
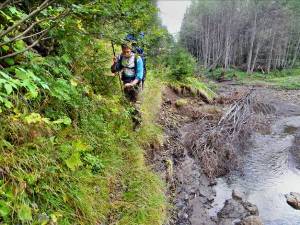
x=192, y=191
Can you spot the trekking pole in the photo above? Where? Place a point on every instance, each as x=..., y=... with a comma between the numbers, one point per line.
x=113, y=48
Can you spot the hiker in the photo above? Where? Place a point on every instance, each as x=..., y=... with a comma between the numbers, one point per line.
x=135, y=48
x=131, y=67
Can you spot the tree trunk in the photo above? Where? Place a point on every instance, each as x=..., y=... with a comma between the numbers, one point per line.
x=270, y=54
x=255, y=57
x=296, y=52
x=253, y=34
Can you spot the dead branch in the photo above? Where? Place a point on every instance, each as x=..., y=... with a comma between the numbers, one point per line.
x=35, y=34
x=43, y=34
x=215, y=142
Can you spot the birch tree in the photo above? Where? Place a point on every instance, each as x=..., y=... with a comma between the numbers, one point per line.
x=251, y=35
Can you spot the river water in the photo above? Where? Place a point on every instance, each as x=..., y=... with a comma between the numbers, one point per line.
x=269, y=170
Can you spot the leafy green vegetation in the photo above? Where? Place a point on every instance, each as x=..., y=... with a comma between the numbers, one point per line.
x=78, y=175
x=181, y=63
x=69, y=154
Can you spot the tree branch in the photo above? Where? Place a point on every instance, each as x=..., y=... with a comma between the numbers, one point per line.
x=22, y=34
x=45, y=4
x=4, y=4
x=7, y=3
x=19, y=37
x=24, y=50
x=32, y=35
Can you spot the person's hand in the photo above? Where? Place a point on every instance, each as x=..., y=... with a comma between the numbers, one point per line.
x=115, y=60
x=128, y=85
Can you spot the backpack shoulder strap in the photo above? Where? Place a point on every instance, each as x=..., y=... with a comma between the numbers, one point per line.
x=120, y=57
x=119, y=61
x=136, y=57
x=135, y=61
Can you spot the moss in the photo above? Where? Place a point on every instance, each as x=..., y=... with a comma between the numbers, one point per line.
x=181, y=102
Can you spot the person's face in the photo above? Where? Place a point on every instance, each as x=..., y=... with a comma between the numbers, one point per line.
x=126, y=52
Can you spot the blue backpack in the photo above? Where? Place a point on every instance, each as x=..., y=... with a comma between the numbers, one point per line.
x=140, y=52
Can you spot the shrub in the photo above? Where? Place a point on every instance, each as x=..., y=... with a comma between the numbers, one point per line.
x=181, y=63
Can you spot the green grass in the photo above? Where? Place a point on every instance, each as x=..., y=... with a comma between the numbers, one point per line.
x=287, y=82
x=285, y=79
x=151, y=132
x=85, y=174
x=195, y=84
x=201, y=86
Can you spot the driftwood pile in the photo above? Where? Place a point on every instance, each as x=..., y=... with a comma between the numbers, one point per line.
x=215, y=142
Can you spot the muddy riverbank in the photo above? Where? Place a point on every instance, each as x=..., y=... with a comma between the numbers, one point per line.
x=198, y=199
x=270, y=165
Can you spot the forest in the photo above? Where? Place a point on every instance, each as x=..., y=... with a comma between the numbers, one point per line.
x=248, y=35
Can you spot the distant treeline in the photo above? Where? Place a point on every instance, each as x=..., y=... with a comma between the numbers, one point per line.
x=246, y=34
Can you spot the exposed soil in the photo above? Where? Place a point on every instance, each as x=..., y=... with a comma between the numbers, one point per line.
x=190, y=190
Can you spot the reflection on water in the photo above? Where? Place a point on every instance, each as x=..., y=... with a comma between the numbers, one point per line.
x=268, y=172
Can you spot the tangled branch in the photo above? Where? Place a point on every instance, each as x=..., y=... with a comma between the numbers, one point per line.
x=215, y=142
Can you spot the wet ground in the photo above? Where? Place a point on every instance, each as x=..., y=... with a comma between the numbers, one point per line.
x=268, y=173
x=268, y=164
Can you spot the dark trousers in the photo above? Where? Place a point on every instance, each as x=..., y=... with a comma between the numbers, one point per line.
x=134, y=96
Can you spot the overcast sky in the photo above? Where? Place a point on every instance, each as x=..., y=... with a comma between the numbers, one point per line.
x=172, y=12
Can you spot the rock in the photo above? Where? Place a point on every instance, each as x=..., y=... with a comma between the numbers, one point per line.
x=186, y=197
x=237, y=195
x=97, y=189
x=168, y=101
x=293, y=199
x=183, y=215
x=235, y=210
x=251, y=208
x=179, y=205
x=232, y=210
x=212, y=183
x=252, y=220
